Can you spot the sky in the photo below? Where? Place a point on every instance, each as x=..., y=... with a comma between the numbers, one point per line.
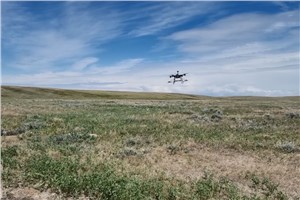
x=227, y=48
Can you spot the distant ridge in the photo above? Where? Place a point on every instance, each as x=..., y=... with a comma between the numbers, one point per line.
x=52, y=93
x=22, y=92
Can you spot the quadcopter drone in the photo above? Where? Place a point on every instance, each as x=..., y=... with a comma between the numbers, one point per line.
x=177, y=78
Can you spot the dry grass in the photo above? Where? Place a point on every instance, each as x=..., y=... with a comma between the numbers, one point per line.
x=192, y=160
x=175, y=141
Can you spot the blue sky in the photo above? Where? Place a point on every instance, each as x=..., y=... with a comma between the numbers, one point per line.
x=227, y=48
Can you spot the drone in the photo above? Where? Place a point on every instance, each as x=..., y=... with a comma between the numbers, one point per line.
x=177, y=78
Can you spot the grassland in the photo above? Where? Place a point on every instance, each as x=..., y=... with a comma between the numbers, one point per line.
x=119, y=145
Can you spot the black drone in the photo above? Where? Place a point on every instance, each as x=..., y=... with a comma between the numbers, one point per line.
x=177, y=78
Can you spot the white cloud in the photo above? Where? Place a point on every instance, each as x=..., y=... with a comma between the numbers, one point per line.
x=239, y=30
x=82, y=64
x=164, y=15
x=92, y=74
x=281, y=4
x=120, y=67
x=37, y=45
x=46, y=49
x=244, y=90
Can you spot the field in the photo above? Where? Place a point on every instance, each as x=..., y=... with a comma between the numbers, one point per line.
x=64, y=144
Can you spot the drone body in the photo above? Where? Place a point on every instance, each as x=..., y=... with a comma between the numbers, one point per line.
x=178, y=78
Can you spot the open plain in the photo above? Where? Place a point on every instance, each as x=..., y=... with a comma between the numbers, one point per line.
x=71, y=144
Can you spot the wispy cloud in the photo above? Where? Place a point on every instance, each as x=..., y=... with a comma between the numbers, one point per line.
x=164, y=15
x=244, y=41
x=240, y=31
x=120, y=67
x=92, y=74
x=37, y=44
x=84, y=63
x=78, y=29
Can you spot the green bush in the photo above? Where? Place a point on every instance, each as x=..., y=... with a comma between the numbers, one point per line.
x=208, y=188
x=65, y=176
x=8, y=156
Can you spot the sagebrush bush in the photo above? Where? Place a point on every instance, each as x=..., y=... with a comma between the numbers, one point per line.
x=286, y=146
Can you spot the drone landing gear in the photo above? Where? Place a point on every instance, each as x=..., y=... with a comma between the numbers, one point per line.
x=182, y=81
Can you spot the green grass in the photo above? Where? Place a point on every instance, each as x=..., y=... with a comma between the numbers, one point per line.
x=99, y=144
x=70, y=177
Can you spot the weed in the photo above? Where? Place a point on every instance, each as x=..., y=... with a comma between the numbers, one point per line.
x=103, y=182
x=173, y=149
x=293, y=115
x=265, y=186
x=286, y=147
x=133, y=142
x=128, y=152
x=8, y=156
x=71, y=138
x=209, y=188
x=36, y=143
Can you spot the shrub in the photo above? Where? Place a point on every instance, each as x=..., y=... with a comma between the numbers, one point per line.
x=286, y=147
x=8, y=156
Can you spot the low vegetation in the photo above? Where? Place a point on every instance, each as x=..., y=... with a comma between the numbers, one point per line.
x=111, y=145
